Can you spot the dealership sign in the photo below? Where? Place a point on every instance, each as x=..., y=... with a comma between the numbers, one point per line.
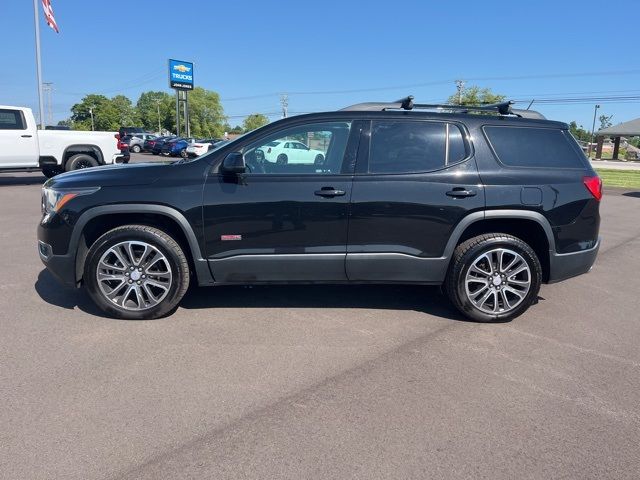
x=180, y=75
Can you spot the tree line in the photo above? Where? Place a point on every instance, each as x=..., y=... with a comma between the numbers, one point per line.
x=155, y=111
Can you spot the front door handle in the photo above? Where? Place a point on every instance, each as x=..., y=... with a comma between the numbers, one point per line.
x=461, y=192
x=329, y=192
x=26, y=136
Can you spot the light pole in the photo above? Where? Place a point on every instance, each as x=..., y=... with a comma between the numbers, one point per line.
x=593, y=128
x=93, y=127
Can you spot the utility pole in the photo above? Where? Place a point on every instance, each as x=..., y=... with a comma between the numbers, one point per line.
x=593, y=128
x=158, y=105
x=284, y=101
x=93, y=127
x=460, y=87
x=48, y=88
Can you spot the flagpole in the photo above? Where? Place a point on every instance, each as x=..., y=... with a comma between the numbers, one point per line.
x=36, y=19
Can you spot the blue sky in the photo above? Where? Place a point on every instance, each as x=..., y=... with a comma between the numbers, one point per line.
x=369, y=50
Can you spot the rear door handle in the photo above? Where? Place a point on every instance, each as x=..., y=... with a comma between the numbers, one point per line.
x=461, y=192
x=26, y=136
x=329, y=192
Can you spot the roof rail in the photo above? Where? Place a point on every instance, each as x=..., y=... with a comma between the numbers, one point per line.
x=502, y=108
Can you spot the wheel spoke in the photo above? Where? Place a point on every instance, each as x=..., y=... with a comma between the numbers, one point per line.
x=475, y=269
x=520, y=269
x=116, y=252
x=111, y=266
x=505, y=300
x=139, y=297
x=517, y=293
x=496, y=303
x=103, y=277
x=153, y=283
x=125, y=296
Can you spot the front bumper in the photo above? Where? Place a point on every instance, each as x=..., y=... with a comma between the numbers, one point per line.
x=62, y=267
x=567, y=265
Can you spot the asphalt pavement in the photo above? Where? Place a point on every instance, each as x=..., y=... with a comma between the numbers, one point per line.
x=307, y=382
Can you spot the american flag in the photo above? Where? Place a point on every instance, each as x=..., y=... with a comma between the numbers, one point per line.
x=48, y=15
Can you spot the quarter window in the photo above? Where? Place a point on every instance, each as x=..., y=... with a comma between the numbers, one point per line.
x=534, y=147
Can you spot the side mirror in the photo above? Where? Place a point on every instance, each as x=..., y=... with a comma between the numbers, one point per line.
x=233, y=163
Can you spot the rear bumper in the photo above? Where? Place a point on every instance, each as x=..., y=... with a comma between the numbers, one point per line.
x=567, y=265
x=121, y=158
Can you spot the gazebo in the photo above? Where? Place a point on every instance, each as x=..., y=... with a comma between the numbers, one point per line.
x=626, y=129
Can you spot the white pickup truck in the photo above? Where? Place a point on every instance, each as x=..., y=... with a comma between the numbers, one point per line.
x=25, y=148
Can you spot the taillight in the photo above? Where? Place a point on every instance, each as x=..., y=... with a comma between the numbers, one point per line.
x=198, y=146
x=594, y=185
x=122, y=145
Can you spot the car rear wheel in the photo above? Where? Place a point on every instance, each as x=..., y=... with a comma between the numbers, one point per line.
x=493, y=277
x=136, y=149
x=183, y=153
x=136, y=272
x=79, y=161
x=282, y=159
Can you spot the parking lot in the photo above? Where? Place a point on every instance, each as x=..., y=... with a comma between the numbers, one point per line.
x=319, y=381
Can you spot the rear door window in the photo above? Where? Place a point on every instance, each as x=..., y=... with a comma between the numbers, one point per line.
x=407, y=146
x=11, y=120
x=534, y=147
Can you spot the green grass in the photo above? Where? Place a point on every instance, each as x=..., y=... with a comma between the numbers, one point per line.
x=620, y=178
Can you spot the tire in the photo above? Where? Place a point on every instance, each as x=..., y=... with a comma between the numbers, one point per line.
x=471, y=279
x=136, y=149
x=183, y=153
x=136, y=294
x=50, y=172
x=282, y=159
x=79, y=161
x=319, y=160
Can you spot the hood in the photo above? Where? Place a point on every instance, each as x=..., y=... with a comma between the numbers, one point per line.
x=111, y=175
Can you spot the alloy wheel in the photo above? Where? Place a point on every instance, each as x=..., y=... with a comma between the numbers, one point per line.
x=134, y=275
x=498, y=281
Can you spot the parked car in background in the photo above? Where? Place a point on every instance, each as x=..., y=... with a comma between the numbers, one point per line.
x=136, y=141
x=200, y=147
x=291, y=151
x=25, y=148
x=159, y=143
x=124, y=131
x=147, y=145
x=176, y=147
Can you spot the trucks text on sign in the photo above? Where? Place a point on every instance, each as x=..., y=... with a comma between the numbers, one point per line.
x=180, y=75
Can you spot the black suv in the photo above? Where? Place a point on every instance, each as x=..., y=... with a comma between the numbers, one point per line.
x=487, y=201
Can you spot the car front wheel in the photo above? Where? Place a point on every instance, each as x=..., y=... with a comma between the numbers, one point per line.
x=493, y=277
x=136, y=272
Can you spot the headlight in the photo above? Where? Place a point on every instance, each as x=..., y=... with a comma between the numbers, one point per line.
x=54, y=200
